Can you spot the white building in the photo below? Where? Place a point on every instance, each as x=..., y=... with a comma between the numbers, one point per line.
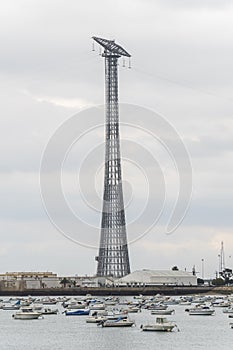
x=157, y=277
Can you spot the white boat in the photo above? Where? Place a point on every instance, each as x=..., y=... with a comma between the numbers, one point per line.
x=11, y=307
x=161, y=325
x=25, y=303
x=49, y=301
x=125, y=322
x=133, y=309
x=201, y=311
x=171, y=302
x=99, y=317
x=76, y=305
x=199, y=300
x=96, y=319
x=185, y=303
x=37, y=308
x=158, y=307
x=26, y=313
x=116, y=315
x=228, y=310
x=97, y=306
x=222, y=304
x=162, y=312
x=111, y=301
x=48, y=311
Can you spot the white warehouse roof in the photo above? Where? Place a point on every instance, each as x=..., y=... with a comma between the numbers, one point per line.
x=159, y=276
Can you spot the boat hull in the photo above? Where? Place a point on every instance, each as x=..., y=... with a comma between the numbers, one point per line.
x=155, y=328
x=162, y=312
x=77, y=313
x=201, y=313
x=117, y=324
x=26, y=317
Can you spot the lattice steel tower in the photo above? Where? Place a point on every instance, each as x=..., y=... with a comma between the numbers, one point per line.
x=113, y=258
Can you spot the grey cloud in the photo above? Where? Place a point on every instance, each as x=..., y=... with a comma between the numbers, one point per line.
x=181, y=66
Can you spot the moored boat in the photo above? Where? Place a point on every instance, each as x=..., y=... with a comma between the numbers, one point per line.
x=76, y=305
x=96, y=319
x=78, y=312
x=162, y=312
x=26, y=313
x=228, y=310
x=11, y=307
x=49, y=301
x=97, y=306
x=48, y=311
x=201, y=311
x=120, y=322
x=161, y=325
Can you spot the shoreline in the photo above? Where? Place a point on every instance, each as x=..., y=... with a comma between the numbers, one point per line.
x=118, y=291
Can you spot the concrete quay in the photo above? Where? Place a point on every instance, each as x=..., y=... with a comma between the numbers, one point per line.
x=117, y=291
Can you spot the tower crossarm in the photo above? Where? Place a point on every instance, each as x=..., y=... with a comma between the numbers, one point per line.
x=111, y=46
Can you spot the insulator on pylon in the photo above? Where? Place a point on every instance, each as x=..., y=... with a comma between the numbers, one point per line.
x=129, y=63
x=123, y=62
x=93, y=45
x=100, y=51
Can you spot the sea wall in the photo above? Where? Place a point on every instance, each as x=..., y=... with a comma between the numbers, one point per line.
x=102, y=291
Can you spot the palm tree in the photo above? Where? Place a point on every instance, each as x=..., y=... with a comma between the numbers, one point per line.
x=64, y=281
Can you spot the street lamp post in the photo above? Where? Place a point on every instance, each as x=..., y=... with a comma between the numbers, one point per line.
x=219, y=264
x=202, y=268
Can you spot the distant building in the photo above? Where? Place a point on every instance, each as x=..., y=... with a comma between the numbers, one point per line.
x=157, y=277
x=40, y=280
x=29, y=280
x=88, y=281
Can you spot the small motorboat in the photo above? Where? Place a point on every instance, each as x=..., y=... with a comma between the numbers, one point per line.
x=97, y=306
x=111, y=301
x=120, y=322
x=115, y=316
x=96, y=319
x=171, y=302
x=201, y=311
x=76, y=305
x=26, y=313
x=133, y=309
x=162, y=312
x=77, y=312
x=228, y=310
x=11, y=307
x=25, y=303
x=99, y=317
x=222, y=304
x=37, y=308
x=161, y=325
x=48, y=311
x=185, y=303
x=49, y=301
x=158, y=307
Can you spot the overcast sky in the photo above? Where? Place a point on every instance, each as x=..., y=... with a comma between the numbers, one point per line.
x=182, y=68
